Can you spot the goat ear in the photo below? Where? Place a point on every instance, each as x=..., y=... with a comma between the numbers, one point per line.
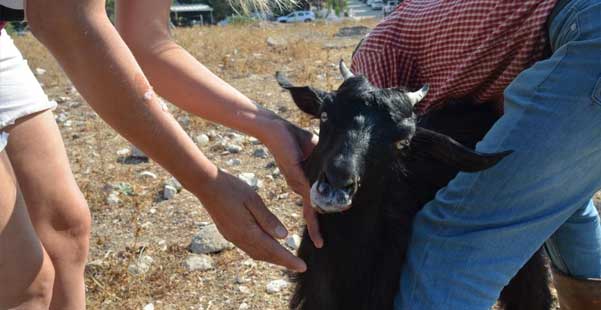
x=306, y=98
x=443, y=148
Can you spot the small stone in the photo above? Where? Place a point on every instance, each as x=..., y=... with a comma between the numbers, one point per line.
x=162, y=245
x=173, y=182
x=236, y=137
x=249, y=263
x=275, y=42
x=270, y=165
x=241, y=280
x=184, y=120
x=276, y=286
x=147, y=174
x=148, y=307
x=254, y=140
x=123, y=152
x=243, y=289
x=68, y=123
x=137, y=153
x=233, y=148
x=293, y=241
x=62, y=117
x=202, y=139
x=283, y=196
x=40, y=71
x=251, y=179
x=113, y=199
x=233, y=162
x=141, y=266
x=260, y=153
x=169, y=192
x=244, y=306
x=276, y=172
x=153, y=211
x=209, y=240
x=198, y=262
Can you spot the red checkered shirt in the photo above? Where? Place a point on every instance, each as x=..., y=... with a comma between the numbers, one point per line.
x=462, y=49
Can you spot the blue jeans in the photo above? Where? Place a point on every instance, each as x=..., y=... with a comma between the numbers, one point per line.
x=476, y=234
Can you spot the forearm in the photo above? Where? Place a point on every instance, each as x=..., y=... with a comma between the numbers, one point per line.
x=105, y=72
x=181, y=79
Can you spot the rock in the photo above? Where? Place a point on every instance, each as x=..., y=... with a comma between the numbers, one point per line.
x=147, y=174
x=184, y=120
x=243, y=289
x=235, y=137
x=137, y=153
x=169, y=192
x=202, y=139
x=251, y=179
x=241, y=280
x=276, y=286
x=276, y=172
x=352, y=31
x=293, y=241
x=148, y=307
x=113, y=199
x=272, y=42
x=249, y=263
x=260, y=152
x=40, y=71
x=173, y=182
x=123, y=152
x=254, y=140
x=282, y=196
x=233, y=162
x=244, y=306
x=62, y=117
x=233, y=148
x=141, y=266
x=209, y=240
x=198, y=262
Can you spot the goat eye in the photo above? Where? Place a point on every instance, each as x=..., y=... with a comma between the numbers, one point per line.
x=323, y=117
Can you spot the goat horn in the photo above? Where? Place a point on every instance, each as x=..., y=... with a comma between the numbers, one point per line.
x=346, y=73
x=417, y=96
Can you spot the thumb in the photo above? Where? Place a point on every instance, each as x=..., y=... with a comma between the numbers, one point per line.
x=266, y=220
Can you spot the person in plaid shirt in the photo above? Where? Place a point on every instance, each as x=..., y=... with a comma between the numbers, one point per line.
x=539, y=62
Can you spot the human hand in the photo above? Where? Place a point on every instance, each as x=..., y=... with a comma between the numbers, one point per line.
x=291, y=145
x=243, y=219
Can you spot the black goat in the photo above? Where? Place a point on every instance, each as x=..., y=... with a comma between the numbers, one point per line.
x=376, y=153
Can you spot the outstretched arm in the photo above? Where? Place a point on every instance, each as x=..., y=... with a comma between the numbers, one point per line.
x=180, y=78
x=93, y=55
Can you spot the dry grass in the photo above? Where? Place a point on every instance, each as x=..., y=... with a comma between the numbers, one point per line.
x=162, y=229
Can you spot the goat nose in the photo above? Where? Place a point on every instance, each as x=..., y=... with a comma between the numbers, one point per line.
x=340, y=175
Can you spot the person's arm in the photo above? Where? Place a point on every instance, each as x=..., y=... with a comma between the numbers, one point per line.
x=181, y=79
x=93, y=55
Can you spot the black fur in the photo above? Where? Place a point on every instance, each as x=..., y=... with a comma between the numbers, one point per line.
x=359, y=266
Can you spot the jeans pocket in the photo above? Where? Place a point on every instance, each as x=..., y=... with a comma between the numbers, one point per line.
x=596, y=96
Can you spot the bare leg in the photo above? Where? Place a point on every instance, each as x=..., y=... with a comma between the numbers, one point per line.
x=56, y=206
x=26, y=272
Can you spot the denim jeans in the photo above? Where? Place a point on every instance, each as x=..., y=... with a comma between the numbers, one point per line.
x=479, y=230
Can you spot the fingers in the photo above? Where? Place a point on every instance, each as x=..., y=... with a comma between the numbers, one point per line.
x=262, y=247
x=312, y=223
x=266, y=220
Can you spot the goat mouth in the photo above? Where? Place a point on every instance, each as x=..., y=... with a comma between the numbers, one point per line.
x=327, y=199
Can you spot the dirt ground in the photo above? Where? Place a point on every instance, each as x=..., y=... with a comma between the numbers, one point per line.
x=144, y=224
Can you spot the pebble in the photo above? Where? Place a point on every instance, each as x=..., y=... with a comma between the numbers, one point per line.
x=260, y=153
x=241, y=280
x=169, y=192
x=235, y=137
x=40, y=71
x=243, y=289
x=173, y=182
x=141, y=266
x=113, y=199
x=123, y=152
x=147, y=174
x=254, y=140
x=198, y=262
x=148, y=307
x=233, y=162
x=293, y=241
x=62, y=117
x=233, y=148
x=202, y=139
x=184, y=120
x=137, y=153
x=276, y=286
x=251, y=179
x=209, y=240
x=244, y=306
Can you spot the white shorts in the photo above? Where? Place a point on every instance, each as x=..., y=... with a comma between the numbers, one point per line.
x=20, y=93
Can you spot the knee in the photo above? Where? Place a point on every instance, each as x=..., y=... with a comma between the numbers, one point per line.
x=68, y=231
